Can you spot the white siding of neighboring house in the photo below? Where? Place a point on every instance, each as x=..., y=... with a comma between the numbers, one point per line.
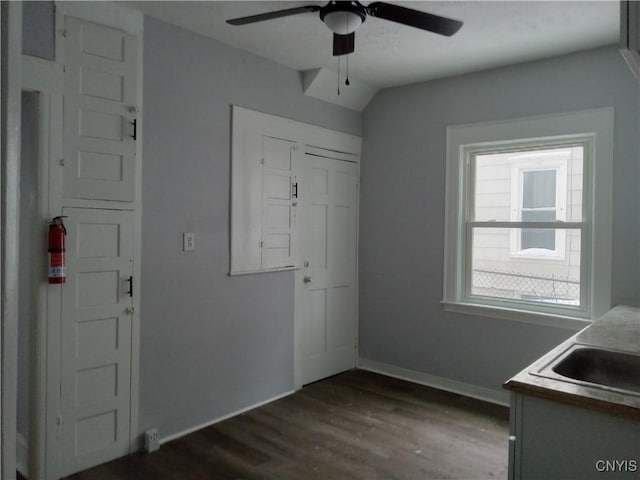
x=493, y=248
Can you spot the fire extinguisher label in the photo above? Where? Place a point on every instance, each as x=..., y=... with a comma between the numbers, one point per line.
x=56, y=272
x=56, y=265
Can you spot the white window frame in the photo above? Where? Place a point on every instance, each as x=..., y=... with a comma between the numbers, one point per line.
x=591, y=128
x=518, y=169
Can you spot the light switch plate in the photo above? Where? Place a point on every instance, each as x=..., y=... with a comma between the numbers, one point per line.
x=188, y=241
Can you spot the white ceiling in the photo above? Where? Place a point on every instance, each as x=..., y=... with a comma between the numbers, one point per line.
x=495, y=33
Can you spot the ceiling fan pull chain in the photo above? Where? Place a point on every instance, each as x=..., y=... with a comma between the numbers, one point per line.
x=346, y=82
x=338, y=75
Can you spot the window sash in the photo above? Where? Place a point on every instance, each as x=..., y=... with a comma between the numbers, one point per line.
x=535, y=306
x=545, y=194
x=555, y=170
x=557, y=224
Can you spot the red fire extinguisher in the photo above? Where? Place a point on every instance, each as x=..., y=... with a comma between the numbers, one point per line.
x=57, y=233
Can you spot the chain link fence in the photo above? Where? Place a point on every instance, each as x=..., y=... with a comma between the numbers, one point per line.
x=522, y=286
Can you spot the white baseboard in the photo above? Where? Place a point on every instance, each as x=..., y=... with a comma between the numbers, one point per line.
x=224, y=417
x=441, y=383
x=22, y=455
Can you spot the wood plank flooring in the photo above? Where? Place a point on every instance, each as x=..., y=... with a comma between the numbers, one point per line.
x=357, y=425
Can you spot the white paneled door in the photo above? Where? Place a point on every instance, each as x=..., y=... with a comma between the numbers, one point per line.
x=97, y=300
x=100, y=108
x=278, y=192
x=326, y=284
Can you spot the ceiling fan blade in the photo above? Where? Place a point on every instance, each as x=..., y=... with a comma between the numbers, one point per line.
x=343, y=44
x=271, y=15
x=414, y=18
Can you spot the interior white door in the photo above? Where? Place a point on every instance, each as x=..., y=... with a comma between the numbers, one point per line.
x=99, y=112
x=95, y=391
x=326, y=285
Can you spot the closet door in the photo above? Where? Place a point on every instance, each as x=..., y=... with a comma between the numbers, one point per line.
x=96, y=333
x=326, y=286
x=99, y=112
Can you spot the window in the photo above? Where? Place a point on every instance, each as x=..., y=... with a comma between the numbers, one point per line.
x=523, y=216
x=527, y=187
x=538, y=204
x=539, y=194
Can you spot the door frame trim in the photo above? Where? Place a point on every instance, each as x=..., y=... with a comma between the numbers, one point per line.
x=45, y=78
x=10, y=131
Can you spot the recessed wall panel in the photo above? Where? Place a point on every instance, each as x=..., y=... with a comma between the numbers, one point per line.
x=319, y=236
x=97, y=288
x=341, y=331
x=95, y=432
x=96, y=338
x=344, y=182
x=105, y=126
x=318, y=321
x=319, y=180
x=277, y=186
x=277, y=154
x=342, y=247
x=98, y=240
x=95, y=83
x=278, y=216
x=100, y=166
x=102, y=42
x=96, y=384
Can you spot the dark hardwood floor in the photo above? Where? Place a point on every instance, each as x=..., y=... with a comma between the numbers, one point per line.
x=357, y=425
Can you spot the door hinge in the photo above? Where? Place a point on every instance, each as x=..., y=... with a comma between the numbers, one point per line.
x=262, y=161
x=61, y=162
x=294, y=190
x=59, y=426
x=135, y=129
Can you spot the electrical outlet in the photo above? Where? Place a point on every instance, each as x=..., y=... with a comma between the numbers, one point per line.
x=188, y=241
x=151, y=440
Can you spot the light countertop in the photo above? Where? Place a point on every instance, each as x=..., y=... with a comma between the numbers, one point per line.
x=619, y=330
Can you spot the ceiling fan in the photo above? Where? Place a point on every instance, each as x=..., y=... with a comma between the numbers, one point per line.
x=344, y=17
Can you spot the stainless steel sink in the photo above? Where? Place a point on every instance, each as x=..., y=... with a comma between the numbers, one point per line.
x=595, y=367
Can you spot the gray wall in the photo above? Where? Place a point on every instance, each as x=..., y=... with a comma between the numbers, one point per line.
x=211, y=344
x=38, y=29
x=402, y=211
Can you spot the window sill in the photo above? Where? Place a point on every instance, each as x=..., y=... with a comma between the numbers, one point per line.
x=513, y=314
x=233, y=273
x=530, y=254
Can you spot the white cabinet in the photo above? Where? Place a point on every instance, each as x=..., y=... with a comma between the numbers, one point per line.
x=100, y=110
x=264, y=201
x=279, y=200
x=552, y=440
x=267, y=159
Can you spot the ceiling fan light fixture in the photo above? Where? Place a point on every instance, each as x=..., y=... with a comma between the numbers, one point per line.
x=343, y=22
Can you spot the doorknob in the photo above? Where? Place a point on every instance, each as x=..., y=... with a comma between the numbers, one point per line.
x=307, y=280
